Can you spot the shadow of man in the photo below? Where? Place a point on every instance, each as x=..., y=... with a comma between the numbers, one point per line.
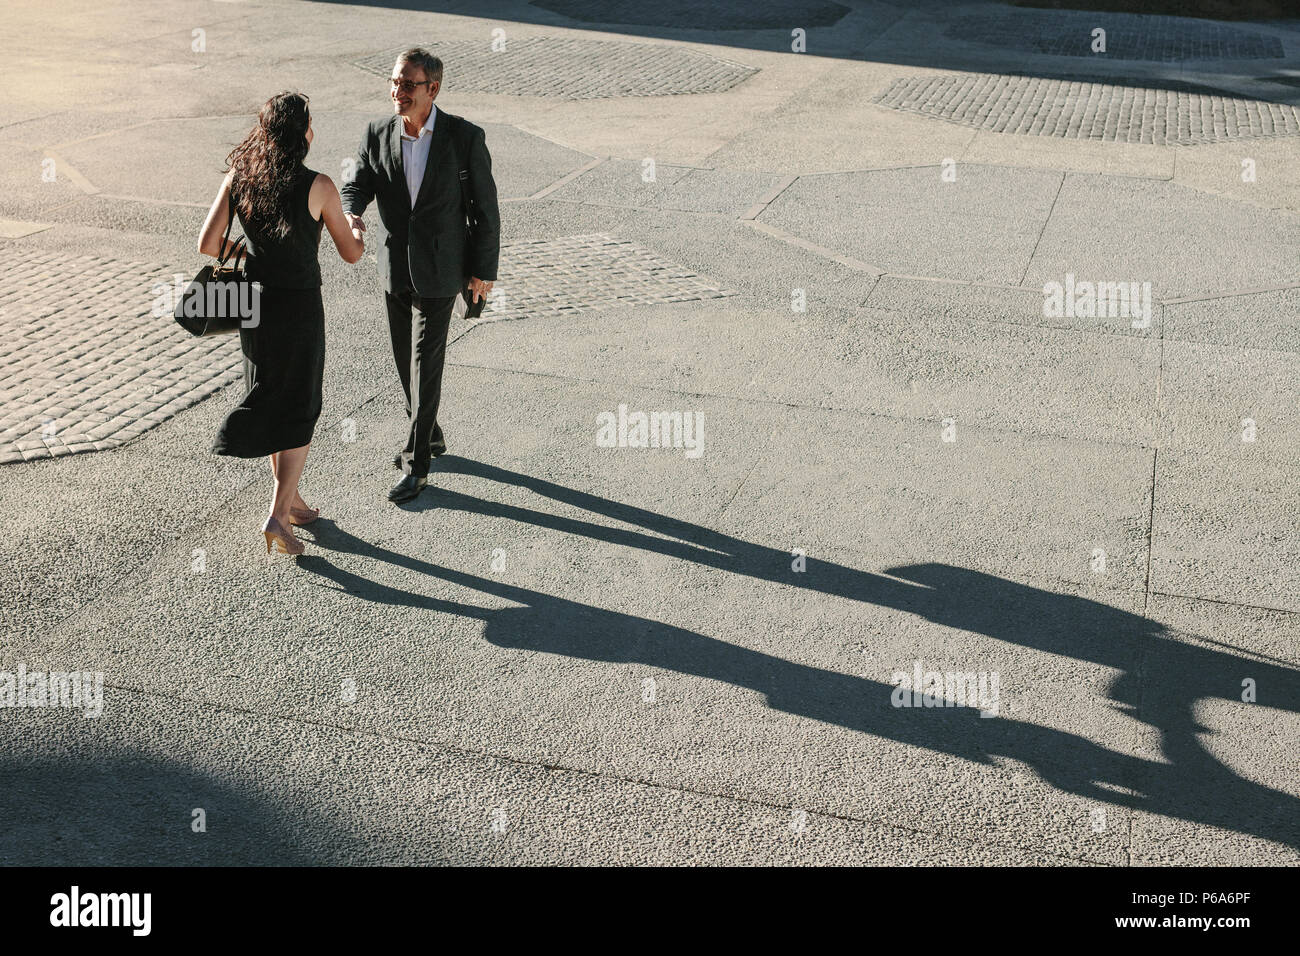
x=1189, y=783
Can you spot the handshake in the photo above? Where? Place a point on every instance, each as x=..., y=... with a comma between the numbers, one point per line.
x=358, y=226
x=476, y=289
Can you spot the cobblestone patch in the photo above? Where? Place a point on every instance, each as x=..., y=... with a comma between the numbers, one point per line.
x=1156, y=39
x=84, y=363
x=574, y=68
x=573, y=274
x=708, y=15
x=1079, y=109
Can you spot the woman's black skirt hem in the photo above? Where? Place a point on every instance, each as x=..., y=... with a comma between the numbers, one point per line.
x=284, y=369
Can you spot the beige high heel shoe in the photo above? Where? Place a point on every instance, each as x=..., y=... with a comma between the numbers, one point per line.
x=283, y=537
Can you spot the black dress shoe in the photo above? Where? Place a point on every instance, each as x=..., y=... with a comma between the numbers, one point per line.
x=407, y=488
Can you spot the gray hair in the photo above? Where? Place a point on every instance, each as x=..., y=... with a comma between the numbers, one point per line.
x=419, y=56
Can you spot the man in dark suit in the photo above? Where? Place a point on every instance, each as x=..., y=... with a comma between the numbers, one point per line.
x=412, y=164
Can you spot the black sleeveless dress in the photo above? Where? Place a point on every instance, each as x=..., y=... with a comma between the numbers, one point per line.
x=284, y=354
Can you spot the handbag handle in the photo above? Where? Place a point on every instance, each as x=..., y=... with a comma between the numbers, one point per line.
x=238, y=256
x=223, y=255
x=238, y=252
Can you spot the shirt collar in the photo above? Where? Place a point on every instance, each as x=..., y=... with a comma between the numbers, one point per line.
x=426, y=129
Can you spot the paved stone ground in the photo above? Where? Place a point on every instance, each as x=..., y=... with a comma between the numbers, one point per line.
x=713, y=14
x=1078, y=109
x=1128, y=36
x=577, y=273
x=568, y=652
x=86, y=362
x=575, y=69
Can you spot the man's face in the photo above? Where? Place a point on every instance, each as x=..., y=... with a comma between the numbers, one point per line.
x=411, y=91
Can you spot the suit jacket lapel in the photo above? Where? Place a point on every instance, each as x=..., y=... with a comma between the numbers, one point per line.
x=395, y=150
x=439, y=142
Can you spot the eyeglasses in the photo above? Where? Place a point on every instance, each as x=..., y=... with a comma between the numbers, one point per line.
x=406, y=86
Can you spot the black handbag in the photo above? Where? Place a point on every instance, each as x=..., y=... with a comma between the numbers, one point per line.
x=472, y=309
x=221, y=298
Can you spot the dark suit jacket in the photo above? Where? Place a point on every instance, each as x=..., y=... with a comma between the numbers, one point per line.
x=427, y=249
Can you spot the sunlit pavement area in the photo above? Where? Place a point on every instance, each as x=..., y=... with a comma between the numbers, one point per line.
x=905, y=459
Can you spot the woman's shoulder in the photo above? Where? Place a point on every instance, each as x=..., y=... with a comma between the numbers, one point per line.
x=318, y=181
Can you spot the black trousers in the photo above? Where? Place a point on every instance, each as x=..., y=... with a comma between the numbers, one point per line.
x=418, y=328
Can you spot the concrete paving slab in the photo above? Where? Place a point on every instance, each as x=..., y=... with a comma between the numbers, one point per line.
x=27, y=190
x=1224, y=528
x=1075, y=385
x=123, y=790
x=909, y=368
x=966, y=229
x=831, y=125
x=989, y=303
x=1247, y=172
x=112, y=162
x=1069, y=498
x=1117, y=230
x=623, y=182
x=1260, y=320
x=673, y=346
x=18, y=229
x=1230, y=401
x=727, y=252
x=1119, y=159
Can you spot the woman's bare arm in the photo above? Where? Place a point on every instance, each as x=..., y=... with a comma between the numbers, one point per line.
x=325, y=204
x=214, y=227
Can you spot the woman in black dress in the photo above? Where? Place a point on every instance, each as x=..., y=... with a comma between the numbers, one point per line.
x=281, y=205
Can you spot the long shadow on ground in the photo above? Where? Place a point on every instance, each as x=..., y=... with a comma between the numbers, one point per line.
x=1189, y=783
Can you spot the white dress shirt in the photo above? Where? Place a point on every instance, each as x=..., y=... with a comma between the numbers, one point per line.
x=415, y=154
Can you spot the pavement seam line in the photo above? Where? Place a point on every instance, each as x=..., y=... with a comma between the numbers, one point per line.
x=71, y=172
x=565, y=179
x=1155, y=457
x=1231, y=294
x=780, y=234
x=1029, y=262
x=153, y=202
x=768, y=198
x=1151, y=529
x=1140, y=666
x=1241, y=604
x=447, y=747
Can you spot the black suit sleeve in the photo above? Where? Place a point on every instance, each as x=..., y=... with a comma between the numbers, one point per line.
x=359, y=191
x=487, y=217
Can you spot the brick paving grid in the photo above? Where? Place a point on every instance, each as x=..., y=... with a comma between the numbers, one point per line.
x=83, y=351
x=1156, y=39
x=1074, y=109
x=571, y=68
x=701, y=14
x=85, y=365
x=580, y=273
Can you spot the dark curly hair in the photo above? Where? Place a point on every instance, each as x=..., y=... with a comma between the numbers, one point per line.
x=266, y=163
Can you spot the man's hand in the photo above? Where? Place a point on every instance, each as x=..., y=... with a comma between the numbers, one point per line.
x=479, y=288
x=358, y=227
